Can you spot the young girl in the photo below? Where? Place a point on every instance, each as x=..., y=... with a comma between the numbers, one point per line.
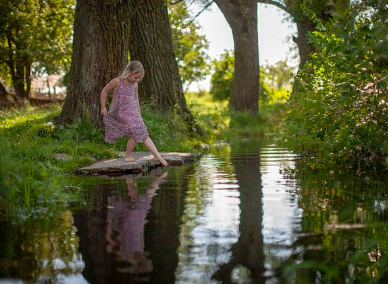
x=124, y=118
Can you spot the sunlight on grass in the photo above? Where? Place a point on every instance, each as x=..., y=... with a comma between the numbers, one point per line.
x=222, y=124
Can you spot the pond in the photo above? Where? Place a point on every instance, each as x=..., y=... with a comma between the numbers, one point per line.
x=243, y=213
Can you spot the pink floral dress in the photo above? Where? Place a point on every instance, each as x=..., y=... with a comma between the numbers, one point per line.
x=123, y=118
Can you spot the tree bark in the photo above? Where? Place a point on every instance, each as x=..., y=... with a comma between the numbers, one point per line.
x=100, y=52
x=3, y=92
x=151, y=44
x=305, y=49
x=242, y=18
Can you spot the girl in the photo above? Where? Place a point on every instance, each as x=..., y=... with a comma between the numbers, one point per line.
x=124, y=118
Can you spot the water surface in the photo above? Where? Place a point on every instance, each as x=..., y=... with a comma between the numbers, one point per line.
x=246, y=213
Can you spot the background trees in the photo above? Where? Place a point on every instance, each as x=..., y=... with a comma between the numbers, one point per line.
x=35, y=38
x=242, y=18
x=190, y=47
x=275, y=80
x=222, y=78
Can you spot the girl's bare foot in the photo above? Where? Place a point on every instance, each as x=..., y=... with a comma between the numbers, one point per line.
x=130, y=159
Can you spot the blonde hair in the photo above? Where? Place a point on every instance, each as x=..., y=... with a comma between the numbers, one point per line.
x=133, y=67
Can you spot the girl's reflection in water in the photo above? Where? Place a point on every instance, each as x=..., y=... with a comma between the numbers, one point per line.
x=125, y=227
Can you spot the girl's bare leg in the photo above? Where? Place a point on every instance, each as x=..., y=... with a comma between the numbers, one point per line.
x=151, y=146
x=130, y=145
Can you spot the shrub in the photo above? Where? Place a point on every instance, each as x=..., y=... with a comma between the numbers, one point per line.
x=338, y=109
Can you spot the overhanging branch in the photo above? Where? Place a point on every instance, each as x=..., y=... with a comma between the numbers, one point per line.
x=199, y=13
x=279, y=4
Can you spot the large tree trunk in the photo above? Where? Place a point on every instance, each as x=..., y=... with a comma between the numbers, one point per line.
x=8, y=98
x=100, y=52
x=151, y=44
x=242, y=18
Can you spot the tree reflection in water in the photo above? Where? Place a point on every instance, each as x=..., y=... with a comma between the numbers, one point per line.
x=247, y=253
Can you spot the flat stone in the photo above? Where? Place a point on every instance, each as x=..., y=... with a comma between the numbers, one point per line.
x=144, y=162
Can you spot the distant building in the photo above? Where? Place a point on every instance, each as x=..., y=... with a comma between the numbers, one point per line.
x=52, y=84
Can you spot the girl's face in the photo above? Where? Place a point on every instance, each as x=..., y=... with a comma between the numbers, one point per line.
x=134, y=77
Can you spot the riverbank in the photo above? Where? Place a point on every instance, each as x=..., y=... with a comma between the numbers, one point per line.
x=33, y=169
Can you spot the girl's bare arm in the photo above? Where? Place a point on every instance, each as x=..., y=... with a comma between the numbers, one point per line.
x=112, y=85
x=137, y=99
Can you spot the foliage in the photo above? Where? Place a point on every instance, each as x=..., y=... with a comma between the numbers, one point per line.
x=279, y=75
x=190, y=46
x=222, y=78
x=339, y=107
x=41, y=243
x=342, y=226
x=275, y=80
x=35, y=38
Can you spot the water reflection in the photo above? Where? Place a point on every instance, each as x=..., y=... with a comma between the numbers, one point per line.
x=342, y=234
x=246, y=213
x=112, y=232
x=125, y=227
x=247, y=259
x=210, y=220
x=41, y=251
x=221, y=237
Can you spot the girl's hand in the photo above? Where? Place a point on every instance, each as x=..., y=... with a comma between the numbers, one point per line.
x=103, y=111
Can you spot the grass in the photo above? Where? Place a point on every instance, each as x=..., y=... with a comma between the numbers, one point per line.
x=33, y=180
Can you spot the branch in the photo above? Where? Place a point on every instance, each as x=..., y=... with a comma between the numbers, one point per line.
x=275, y=3
x=199, y=13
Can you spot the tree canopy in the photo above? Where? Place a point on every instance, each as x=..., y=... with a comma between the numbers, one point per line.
x=35, y=38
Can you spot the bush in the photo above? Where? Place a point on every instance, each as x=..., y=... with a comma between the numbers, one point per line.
x=338, y=109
